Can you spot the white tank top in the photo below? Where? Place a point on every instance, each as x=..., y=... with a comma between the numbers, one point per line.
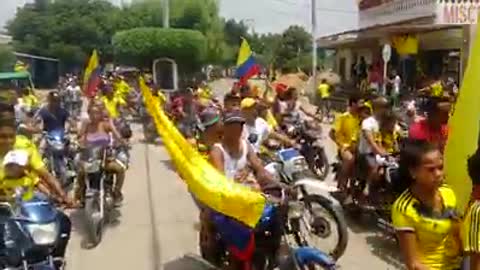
x=232, y=165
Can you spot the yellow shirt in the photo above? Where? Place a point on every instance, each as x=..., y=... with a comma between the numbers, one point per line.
x=7, y=186
x=204, y=93
x=30, y=100
x=470, y=229
x=389, y=141
x=112, y=105
x=347, y=128
x=272, y=122
x=437, y=245
x=324, y=90
x=437, y=89
x=122, y=88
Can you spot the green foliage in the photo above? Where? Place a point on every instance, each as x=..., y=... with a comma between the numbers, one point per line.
x=71, y=29
x=65, y=29
x=7, y=59
x=140, y=46
x=295, y=42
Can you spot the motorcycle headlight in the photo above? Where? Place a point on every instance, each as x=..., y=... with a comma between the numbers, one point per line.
x=43, y=234
x=92, y=167
x=299, y=164
x=56, y=145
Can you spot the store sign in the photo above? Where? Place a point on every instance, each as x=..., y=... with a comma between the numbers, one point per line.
x=457, y=12
x=381, y=12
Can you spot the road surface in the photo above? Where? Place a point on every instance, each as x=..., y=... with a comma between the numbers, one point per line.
x=157, y=225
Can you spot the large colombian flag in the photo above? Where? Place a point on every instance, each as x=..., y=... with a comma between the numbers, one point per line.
x=91, y=78
x=246, y=65
x=464, y=127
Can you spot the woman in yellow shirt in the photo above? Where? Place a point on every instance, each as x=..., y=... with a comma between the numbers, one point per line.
x=424, y=215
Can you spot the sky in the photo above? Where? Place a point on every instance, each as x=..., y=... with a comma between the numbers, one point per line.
x=264, y=16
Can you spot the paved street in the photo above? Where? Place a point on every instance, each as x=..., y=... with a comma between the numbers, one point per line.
x=156, y=226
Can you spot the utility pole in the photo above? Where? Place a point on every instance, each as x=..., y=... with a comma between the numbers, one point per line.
x=166, y=13
x=314, y=44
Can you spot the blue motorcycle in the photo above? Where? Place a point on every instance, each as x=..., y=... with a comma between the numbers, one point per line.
x=31, y=234
x=267, y=246
x=57, y=157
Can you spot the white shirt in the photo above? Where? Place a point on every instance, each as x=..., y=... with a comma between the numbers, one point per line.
x=260, y=128
x=74, y=93
x=370, y=124
x=396, y=85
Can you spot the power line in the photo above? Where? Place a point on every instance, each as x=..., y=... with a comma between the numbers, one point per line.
x=320, y=9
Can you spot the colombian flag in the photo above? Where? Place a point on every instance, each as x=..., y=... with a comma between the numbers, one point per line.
x=464, y=127
x=246, y=66
x=91, y=78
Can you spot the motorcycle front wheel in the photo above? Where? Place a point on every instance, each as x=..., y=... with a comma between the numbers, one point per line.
x=94, y=221
x=323, y=218
x=320, y=165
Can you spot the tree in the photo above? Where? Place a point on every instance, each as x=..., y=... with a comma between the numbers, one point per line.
x=65, y=29
x=140, y=46
x=7, y=58
x=295, y=41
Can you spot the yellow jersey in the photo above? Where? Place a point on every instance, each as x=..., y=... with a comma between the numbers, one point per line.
x=437, y=246
x=347, y=129
x=324, y=90
x=437, y=89
x=112, y=105
x=470, y=229
x=389, y=141
x=35, y=163
x=204, y=93
x=122, y=88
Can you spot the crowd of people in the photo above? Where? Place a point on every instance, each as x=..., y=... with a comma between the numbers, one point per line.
x=231, y=135
x=431, y=234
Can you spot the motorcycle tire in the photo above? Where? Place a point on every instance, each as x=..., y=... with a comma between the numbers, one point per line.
x=94, y=227
x=321, y=166
x=340, y=222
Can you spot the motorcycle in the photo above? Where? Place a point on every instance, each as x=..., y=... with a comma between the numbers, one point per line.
x=290, y=167
x=379, y=204
x=308, y=135
x=31, y=234
x=99, y=190
x=58, y=156
x=268, y=245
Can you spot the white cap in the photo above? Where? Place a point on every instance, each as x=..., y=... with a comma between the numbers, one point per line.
x=19, y=157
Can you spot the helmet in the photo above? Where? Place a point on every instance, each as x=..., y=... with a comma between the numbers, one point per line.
x=281, y=88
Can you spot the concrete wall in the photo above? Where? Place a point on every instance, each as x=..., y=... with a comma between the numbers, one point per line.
x=349, y=55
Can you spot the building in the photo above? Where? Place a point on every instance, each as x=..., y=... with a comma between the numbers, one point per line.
x=434, y=30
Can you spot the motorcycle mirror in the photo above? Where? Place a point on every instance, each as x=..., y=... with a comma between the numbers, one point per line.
x=253, y=138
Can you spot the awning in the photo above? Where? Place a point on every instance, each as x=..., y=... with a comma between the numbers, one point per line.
x=35, y=57
x=419, y=25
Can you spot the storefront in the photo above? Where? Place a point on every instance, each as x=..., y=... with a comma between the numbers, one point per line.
x=438, y=46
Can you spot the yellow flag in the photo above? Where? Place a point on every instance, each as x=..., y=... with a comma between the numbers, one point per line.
x=89, y=78
x=207, y=184
x=464, y=129
x=244, y=52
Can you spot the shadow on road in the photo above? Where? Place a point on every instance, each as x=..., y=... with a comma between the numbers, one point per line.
x=168, y=164
x=188, y=262
x=386, y=249
x=382, y=245
x=79, y=225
